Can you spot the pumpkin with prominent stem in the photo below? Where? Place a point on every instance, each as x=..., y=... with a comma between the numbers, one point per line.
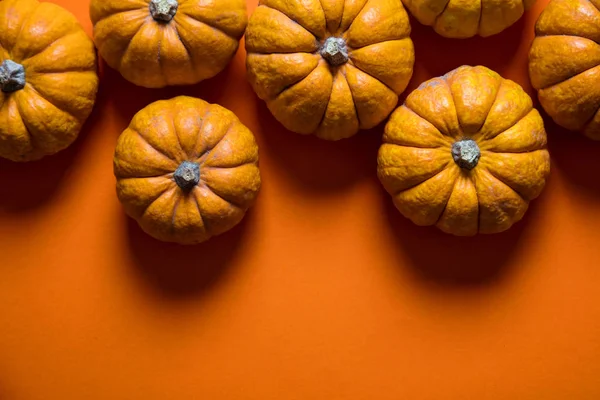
x=48, y=79
x=157, y=43
x=186, y=170
x=564, y=64
x=466, y=152
x=468, y=18
x=329, y=67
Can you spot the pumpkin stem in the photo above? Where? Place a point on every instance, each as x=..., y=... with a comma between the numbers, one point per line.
x=12, y=76
x=163, y=10
x=187, y=175
x=335, y=51
x=466, y=153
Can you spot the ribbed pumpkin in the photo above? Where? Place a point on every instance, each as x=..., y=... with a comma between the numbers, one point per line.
x=48, y=79
x=467, y=18
x=157, y=43
x=329, y=67
x=564, y=64
x=466, y=153
x=186, y=170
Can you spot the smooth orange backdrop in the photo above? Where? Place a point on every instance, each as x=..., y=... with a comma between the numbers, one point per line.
x=324, y=292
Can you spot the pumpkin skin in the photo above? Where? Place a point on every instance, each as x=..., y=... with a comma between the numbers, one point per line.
x=329, y=67
x=158, y=43
x=466, y=153
x=564, y=64
x=48, y=79
x=467, y=18
x=186, y=170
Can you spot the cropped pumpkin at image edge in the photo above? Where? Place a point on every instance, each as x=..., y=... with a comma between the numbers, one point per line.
x=467, y=18
x=48, y=80
x=329, y=68
x=158, y=43
x=564, y=64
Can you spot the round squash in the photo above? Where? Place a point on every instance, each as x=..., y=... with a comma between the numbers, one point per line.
x=329, y=67
x=186, y=170
x=157, y=43
x=48, y=79
x=468, y=18
x=564, y=64
x=466, y=153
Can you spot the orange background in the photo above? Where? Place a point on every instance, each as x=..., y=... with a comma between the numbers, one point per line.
x=324, y=292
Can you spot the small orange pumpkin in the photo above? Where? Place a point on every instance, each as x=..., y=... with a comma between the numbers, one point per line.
x=466, y=152
x=564, y=64
x=48, y=79
x=157, y=43
x=329, y=67
x=468, y=18
x=186, y=170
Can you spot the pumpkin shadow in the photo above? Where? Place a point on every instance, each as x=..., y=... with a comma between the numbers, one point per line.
x=456, y=262
x=319, y=165
x=127, y=99
x=433, y=52
x=30, y=185
x=178, y=271
x=574, y=155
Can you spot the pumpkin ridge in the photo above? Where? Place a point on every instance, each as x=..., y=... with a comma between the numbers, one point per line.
x=26, y=21
x=442, y=169
x=478, y=135
x=300, y=80
x=74, y=32
x=329, y=100
x=170, y=189
x=493, y=175
x=481, y=16
x=128, y=46
x=453, y=106
x=207, y=23
x=175, y=208
x=442, y=13
x=183, y=152
x=163, y=154
x=202, y=220
x=34, y=89
x=32, y=138
x=204, y=157
x=20, y=114
x=343, y=70
x=213, y=191
x=185, y=45
x=362, y=70
x=568, y=79
x=447, y=200
x=298, y=23
x=103, y=17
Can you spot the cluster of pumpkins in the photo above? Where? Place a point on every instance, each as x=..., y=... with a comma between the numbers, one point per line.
x=466, y=152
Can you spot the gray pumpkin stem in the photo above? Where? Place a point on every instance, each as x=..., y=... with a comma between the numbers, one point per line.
x=187, y=175
x=466, y=153
x=163, y=10
x=12, y=76
x=335, y=51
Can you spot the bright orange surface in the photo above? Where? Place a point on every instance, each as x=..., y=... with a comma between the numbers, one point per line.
x=324, y=292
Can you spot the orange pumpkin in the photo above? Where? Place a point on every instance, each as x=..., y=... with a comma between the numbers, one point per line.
x=186, y=170
x=564, y=64
x=329, y=67
x=156, y=43
x=466, y=152
x=48, y=79
x=468, y=18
